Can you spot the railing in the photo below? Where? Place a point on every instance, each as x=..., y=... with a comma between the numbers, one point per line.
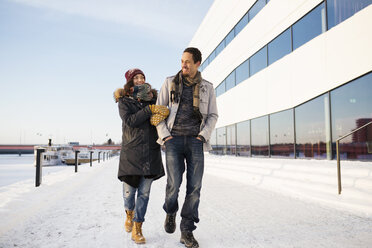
x=39, y=166
x=338, y=154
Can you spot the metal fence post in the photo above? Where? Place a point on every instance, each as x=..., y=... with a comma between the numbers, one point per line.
x=338, y=167
x=91, y=152
x=38, y=166
x=76, y=161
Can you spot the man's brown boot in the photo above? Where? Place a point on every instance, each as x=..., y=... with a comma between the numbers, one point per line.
x=129, y=220
x=137, y=233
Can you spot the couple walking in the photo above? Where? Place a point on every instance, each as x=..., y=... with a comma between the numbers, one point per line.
x=181, y=118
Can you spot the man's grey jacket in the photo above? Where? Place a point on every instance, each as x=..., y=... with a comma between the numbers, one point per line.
x=207, y=107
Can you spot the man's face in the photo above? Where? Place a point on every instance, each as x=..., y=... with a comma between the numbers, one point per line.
x=189, y=68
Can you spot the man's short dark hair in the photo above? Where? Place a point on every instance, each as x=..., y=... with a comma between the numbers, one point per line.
x=196, y=54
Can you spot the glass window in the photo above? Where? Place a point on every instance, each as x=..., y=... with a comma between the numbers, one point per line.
x=220, y=47
x=279, y=47
x=201, y=68
x=242, y=72
x=339, y=10
x=221, y=140
x=230, y=81
x=212, y=56
x=229, y=37
x=351, y=109
x=220, y=89
x=282, y=134
x=213, y=141
x=230, y=140
x=243, y=138
x=310, y=26
x=260, y=136
x=206, y=62
x=256, y=8
x=241, y=24
x=312, y=129
x=258, y=61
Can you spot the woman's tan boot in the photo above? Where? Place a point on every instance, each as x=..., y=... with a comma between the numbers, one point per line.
x=129, y=220
x=137, y=233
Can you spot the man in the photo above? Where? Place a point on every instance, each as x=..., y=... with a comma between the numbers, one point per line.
x=186, y=132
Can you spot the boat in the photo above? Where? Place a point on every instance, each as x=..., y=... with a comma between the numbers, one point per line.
x=83, y=156
x=65, y=152
x=50, y=157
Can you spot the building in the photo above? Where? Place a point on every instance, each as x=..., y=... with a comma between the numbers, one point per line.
x=290, y=77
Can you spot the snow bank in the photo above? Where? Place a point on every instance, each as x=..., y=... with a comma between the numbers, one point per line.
x=310, y=180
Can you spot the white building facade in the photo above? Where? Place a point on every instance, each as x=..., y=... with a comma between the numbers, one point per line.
x=290, y=76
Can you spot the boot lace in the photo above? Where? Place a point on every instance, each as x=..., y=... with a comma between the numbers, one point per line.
x=172, y=219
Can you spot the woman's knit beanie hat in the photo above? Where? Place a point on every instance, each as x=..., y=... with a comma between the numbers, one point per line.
x=129, y=75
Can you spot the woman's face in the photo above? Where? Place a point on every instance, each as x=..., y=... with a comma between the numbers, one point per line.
x=138, y=79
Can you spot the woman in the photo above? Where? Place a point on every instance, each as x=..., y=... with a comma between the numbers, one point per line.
x=140, y=157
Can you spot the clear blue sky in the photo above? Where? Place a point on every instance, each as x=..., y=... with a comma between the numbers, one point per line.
x=61, y=60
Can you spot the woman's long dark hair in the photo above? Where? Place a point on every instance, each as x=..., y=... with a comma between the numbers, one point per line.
x=127, y=87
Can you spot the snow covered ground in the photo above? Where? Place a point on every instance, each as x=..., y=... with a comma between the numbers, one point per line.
x=14, y=168
x=245, y=202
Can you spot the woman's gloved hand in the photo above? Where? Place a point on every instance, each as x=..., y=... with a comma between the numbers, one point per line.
x=159, y=113
x=159, y=109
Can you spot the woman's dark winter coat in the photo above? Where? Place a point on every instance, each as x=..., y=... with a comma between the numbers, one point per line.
x=140, y=154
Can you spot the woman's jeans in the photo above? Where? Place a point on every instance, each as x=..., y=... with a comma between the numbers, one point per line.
x=140, y=205
x=179, y=149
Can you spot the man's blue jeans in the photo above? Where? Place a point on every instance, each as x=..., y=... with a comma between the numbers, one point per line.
x=179, y=149
x=140, y=205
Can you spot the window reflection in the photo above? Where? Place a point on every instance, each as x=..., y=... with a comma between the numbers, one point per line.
x=221, y=140
x=256, y=8
x=351, y=109
x=211, y=57
x=241, y=24
x=230, y=140
x=282, y=134
x=213, y=141
x=260, y=136
x=242, y=72
x=258, y=61
x=229, y=37
x=220, y=89
x=206, y=62
x=279, y=47
x=312, y=128
x=310, y=26
x=339, y=10
x=243, y=137
x=220, y=47
x=230, y=81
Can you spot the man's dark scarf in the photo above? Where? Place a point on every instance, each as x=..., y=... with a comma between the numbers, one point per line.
x=176, y=92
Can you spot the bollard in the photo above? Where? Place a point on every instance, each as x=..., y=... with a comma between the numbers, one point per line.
x=76, y=161
x=91, y=158
x=38, y=166
x=99, y=157
x=103, y=156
